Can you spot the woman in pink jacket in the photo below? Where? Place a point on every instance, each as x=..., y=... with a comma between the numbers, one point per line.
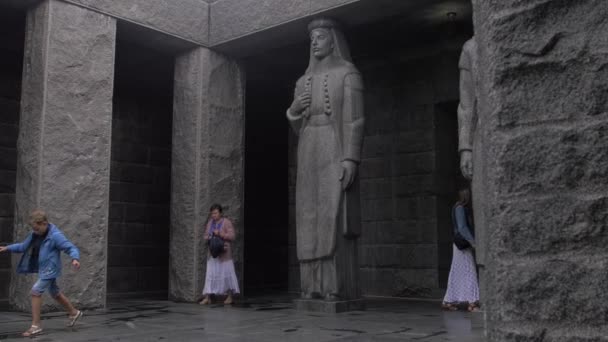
x=220, y=278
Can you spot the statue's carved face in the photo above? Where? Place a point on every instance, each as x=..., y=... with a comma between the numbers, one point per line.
x=321, y=43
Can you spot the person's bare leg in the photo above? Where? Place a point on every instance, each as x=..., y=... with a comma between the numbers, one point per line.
x=36, y=305
x=35, y=329
x=65, y=302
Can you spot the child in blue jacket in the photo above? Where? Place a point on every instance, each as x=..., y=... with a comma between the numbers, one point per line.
x=41, y=254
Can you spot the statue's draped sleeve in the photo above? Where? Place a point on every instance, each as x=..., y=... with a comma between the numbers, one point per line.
x=296, y=120
x=466, y=107
x=353, y=117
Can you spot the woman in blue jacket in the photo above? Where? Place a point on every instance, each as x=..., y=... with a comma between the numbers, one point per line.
x=41, y=254
x=463, y=287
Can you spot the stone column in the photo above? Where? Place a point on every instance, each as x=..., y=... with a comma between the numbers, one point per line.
x=544, y=90
x=64, y=140
x=207, y=163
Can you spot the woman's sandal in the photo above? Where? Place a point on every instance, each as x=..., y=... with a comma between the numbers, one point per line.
x=205, y=301
x=473, y=307
x=32, y=331
x=449, y=307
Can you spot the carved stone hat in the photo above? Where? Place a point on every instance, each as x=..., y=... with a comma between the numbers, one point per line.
x=340, y=50
x=326, y=23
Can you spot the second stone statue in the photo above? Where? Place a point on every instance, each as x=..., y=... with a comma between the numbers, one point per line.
x=327, y=115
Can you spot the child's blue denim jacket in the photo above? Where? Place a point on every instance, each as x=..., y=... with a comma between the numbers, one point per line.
x=49, y=257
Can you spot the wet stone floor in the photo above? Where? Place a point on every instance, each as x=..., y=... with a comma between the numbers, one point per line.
x=253, y=320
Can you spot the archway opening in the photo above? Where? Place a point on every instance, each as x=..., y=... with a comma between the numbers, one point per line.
x=12, y=34
x=270, y=259
x=138, y=234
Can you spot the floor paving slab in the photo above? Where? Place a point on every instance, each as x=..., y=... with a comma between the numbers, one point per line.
x=266, y=319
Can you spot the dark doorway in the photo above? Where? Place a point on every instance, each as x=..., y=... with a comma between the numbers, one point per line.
x=12, y=35
x=270, y=259
x=138, y=239
x=449, y=181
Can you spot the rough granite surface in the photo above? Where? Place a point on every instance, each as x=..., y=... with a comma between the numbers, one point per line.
x=64, y=140
x=234, y=18
x=545, y=96
x=207, y=163
x=188, y=19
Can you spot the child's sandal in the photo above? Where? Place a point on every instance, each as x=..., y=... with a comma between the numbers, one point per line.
x=32, y=331
x=72, y=319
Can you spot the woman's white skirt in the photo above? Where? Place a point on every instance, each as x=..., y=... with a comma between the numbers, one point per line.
x=220, y=277
x=462, y=282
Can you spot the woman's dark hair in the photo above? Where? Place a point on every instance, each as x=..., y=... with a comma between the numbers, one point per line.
x=464, y=197
x=216, y=207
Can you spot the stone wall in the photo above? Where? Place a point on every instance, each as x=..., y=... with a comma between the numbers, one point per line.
x=12, y=29
x=405, y=180
x=409, y=172
x=544, y=101
x=138, y=235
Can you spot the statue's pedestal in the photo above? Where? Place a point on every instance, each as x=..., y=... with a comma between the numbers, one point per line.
x=320, y=305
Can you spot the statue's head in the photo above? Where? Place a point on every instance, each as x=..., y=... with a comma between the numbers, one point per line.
x=321, y=37
x=327, y=39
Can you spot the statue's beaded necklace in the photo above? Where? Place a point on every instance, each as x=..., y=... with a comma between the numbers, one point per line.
x=326, y=97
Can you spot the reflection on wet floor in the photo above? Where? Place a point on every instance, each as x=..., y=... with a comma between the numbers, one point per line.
x=257, y=319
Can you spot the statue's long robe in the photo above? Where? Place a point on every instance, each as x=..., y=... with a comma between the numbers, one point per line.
x=326, y=215
x=470, y=137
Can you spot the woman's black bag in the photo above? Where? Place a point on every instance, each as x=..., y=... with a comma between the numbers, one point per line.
x=216, y=246
x=460, y=242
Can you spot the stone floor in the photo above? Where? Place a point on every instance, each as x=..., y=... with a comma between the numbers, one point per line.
x=261, y=319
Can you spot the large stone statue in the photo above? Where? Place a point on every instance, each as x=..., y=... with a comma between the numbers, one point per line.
x=327, y=115
x=470, y=139
x=467, y=108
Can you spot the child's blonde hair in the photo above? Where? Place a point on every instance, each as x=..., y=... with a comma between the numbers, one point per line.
x=38, y=216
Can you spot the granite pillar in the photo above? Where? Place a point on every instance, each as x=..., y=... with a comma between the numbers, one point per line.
x=207, y=163
x=544, y=90
x=64, y=140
